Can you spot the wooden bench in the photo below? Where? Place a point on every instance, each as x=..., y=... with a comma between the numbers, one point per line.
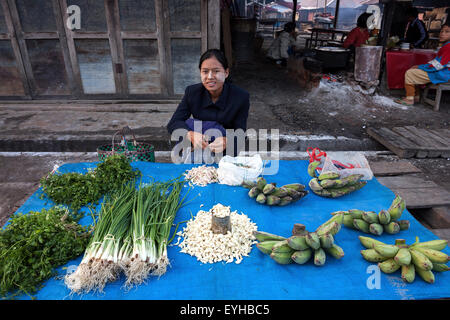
x=437, y=100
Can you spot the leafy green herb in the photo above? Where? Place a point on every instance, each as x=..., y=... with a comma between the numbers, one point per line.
x=77, y=190
x=32, y=245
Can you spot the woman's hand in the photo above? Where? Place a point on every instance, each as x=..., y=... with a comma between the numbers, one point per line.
x=218, y=145
x=197, y=140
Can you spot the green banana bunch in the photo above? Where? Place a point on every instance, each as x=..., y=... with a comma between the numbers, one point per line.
x=376, y=224
x=331, y=185
x=312, y=168
x=302, y=245
x=421, y=258
x=271, y=195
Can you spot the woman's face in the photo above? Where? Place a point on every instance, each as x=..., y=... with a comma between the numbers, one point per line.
x=444, y=36
x=213, y=75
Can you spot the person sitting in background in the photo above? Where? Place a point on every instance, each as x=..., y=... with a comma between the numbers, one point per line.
x=436, y=71
x=416, y=34
x=283, y=44
x=359, y=35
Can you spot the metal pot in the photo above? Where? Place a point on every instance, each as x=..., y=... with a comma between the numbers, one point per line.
x=333, y=57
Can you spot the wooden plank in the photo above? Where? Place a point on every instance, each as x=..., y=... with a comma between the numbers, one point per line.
x=393, y=142
x=423, y=151
x=442, y=233
x=138, y=35
x=419, y=141
x=166, y=45
x=226, y=35
x=438, y=138
x=76, y=74
x=444, y=133
x=40, y=35
x=436, y=217
x=213, y=24
x=22, y=47
x=89, y=35
x=393, y=168
x=435, y=144
x=424, y=197
x=185, y=34
x=16, y=48
x=120, y=52
x=406, y=182
x=113, y=46
x=204, y=24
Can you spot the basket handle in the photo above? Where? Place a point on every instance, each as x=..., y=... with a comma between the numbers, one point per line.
x=122, y=132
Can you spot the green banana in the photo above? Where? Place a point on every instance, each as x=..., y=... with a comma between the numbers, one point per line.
x=328, y=175
x=335, y=218
x=294, y=186
x=384, y=217
x=435, y=256
x=326, y=240
x=280, y=192
x=392, y=227
x=282, y=247
x=266, y=246
x=372, y=256
x=266, y=236
x=282, y=258
x=294, y=194
x=339, y=192
x=268, y=188
x=339, y=183
x=403, y=257
x=370, y=217
x=426, y=275
x=323, y=193
x=397, y=207
x=433, y=244
x=339, y=212
x=355, y=213
x=261, y=183
x=404, y=224
x=248, y=184
x=302, y=256
x=348, y=221
x=312, y=168
x=335, y=251
x=420, y=260
x=261, y=198
x=386, y=250
x=297, y=242
x=253, y=193
x=376, y=229
x=319, y=257
x=285, y=201
x=408, y=273
x=331, y=228
x=388, y=266
x=369, y=243
x=361, y=225
x=440, y=267
x=312, y=239
x=272, y=200
x=314, y=185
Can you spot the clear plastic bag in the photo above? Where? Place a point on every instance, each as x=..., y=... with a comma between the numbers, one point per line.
x=347, y=163
x=235, y=170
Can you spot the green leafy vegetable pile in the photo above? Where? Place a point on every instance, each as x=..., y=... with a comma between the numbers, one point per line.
x=77, y=190
x=32, y=245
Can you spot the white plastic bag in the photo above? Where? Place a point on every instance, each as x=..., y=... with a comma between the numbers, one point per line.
x=235, y=170
x=347, y=163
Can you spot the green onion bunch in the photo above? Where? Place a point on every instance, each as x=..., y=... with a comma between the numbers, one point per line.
x=131, y=236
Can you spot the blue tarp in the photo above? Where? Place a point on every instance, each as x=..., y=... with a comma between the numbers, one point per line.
x=258, y=277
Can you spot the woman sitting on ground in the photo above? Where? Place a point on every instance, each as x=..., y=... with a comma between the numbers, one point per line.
x=436, y=71
x=283, y=45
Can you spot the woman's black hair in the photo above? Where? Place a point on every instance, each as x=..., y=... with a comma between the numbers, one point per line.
x=289, y=27
x=362, y=20
x=216, y=53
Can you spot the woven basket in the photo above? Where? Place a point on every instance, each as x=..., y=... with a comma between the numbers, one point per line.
x=133, y=150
